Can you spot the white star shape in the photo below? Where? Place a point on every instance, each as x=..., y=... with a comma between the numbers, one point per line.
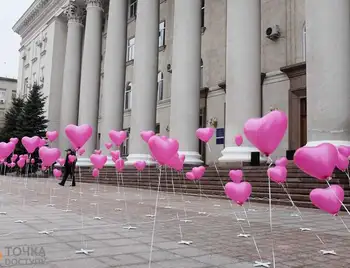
x=20, y=221
x=150, y=216
x=129, y=227
x=184, y=242
x=46, y=232
x=240, y=219
x=119, y=200
x=294, y=215
x=73, y=200
x=251, y=209
x=168, y=207
x=84, y=251
x=140, y=203
x=262, y=264
x=328, y=252
x=244, y=235
x=66, y=210
x=202, y=213
x=50, y=205
x=216, y=205
x=305, y=229
x=186, y=221
x=98, y=218
x=188, y=202
x=118, y=209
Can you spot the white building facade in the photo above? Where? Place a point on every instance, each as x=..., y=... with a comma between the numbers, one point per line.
x=175, y=65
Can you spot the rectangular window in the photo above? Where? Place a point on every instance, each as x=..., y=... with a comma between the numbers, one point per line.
x=2, y=95
x=220, y=136
x=130, y=49
x=125, y=145
x=34, y=78
x=25, y=86
x=127, y=103
x=14, y=94
x=42, y=69
x=202, y=13
x=132, y=8
x=161, y=38
x=157, y=130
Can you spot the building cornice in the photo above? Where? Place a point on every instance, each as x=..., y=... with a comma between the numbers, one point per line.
x=8, y=79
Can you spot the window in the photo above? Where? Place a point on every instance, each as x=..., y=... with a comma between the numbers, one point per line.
x=125, y=145
x=161, y=38
x=2, y=95
x=34, y=78
x=304, y=42
x=202, y=13
x=131, y=49
x=202, y=77
x=42, y=69
x=160, y=86
x=14, y=95
x=127, y=97
x=220, y=136
x=132, y=8
x=25, y=86
x=157, y=130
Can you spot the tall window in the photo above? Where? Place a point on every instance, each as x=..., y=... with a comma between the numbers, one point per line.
x=160, y=86
x=202, y=13
x=202, y=76
x=304, y=42
x=42, y=69
x=127, y=97
x=161, y=38
x=2, y=95
x=125, y=145
x=131, y=49
x=34, y=79
x=25, y=86
x=132, y=9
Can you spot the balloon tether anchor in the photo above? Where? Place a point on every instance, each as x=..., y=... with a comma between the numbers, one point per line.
x=328, y=252
x=84, y=251
x=262, y=264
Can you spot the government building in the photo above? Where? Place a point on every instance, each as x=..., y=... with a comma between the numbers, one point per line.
x=173, y=66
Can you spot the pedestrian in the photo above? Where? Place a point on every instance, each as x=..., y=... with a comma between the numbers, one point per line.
x=69, y=168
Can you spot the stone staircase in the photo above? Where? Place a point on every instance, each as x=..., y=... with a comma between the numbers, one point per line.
x=298, y=184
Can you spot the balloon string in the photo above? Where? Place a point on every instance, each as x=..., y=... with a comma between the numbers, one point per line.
x=125, y=201
x=341, y=202
x=270, y=214
x=81, y=210
x=347, y=175
x=140, y=190
x=155, y=218
x=182, y=194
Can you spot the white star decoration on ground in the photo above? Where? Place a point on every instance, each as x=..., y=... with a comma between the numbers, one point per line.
x=216, y=205
x=244, y=235
x=3, y=213
x=328, y=252
x=202, y=213
x=184, y=242
x=140, y=203
x=168, y=207
x=98, y=218
x=150, y=216
x=294, y=215
x=118, y=209
x=46, y=232
x=188, y=202
x=305, y=229
x=240, y=219
x=262, y=264
x=186, y=221
x=66, y=210
x=20, y=221
x=73, y=200
x=50, y=205
x=130, y=227
x=84, y=251
x=251, y=210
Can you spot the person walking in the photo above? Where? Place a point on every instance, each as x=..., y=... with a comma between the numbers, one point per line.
x=69, y=168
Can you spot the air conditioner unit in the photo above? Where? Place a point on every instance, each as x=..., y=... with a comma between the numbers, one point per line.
x=273, y=33
x=2, y=101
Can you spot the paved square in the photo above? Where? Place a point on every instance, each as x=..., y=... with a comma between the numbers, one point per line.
x=44, y=225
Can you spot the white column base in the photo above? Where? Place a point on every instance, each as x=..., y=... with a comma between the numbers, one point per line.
x=334, y=142
x=133, y=158
x=192, y=158
x=84, y=162
x=238, y=154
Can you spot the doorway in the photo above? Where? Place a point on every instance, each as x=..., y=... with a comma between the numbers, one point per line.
x=303, y=121
x=202, y=124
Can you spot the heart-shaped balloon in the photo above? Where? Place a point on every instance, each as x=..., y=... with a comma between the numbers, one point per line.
x=57, y=173
x=344, y=150
x=236, y=175
x=329, y=199
x=95, y=172
x=98, y=160
x=14, y=140
x=78, y=135
x=318, y=161
x=30, y=144
x=162, y=148
x=81, y=151
x=278, y=174
x=140, y=165
x=238, y=192
x=98, y=152
x=266, y=133
x=6, y=148
x=198, y=172
x=115, y=155
x=118, y=137
x=205, y=134
x=176, y=162
x=42, y=143
x=61, y=161
x=119, y=165
x=72, y=158
x=25, y=156
x=283, y=161
x=190, y=176
x=343, y=162
x=13, y=164
x=49, y=156
x=146, y=135
x=32, y=161
x=21, y=162
x=108, y=145
x=238, y=140
x=51, y=135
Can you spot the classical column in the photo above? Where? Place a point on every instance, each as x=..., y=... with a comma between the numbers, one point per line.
x=114, y=70
x=144, y=95
x=90, y=71
x=243, y=74
x=327, y=68
x=186, y=75
x=71, y=73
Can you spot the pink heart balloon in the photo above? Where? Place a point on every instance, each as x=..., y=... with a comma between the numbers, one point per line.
x=78, y=135
x=118, y=137
x=238, y=140
x=6, y=149
x=236, y=175
x=98, y=160
x=98, y=152
x=329, y=199
x=140, y=165
x=51, y=135
x=71, y=158
x=30, y=144
x=21, y=162
x=27, y=161
x=61, y=161
x=12, y=165
x=283, y=161
x=343, y=162
x=119, y=165
x=266, y=133
x=198, y=172
x=238, y=192
x=57, y=173
x=176, y=162
x=25, y=156
x=14, y=140
x=278, y=174
x=115, y=154
x=344, y=150
x=163, y=149
x=95, y=173
x=318, y=161
x=32, y=161
x=43, y=168
x=81, y=151
x=49, y=156
x=108, y=145
x=42, y=143
x=205, y=134
x=146, y=135
x=190, y=176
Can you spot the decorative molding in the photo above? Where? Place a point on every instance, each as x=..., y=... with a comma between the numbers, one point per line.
x=34, y=59
x=165, y=103
x=43, y=53
x=295, y=70
x=94, y=3
x=74, y=13
x=275, y=77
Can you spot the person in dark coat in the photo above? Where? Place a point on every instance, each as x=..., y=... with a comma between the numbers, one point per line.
x=69, y=168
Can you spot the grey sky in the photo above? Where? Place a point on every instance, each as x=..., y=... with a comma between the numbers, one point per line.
x=10, y=12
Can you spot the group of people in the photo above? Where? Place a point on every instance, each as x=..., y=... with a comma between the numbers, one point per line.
x=69, y=168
